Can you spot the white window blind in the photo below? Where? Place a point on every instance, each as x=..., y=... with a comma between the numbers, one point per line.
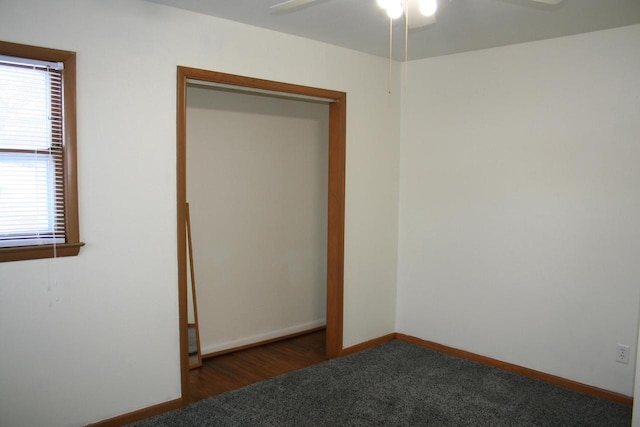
x=31, y=153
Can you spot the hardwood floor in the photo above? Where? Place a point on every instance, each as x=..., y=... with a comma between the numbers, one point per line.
x=234, y=370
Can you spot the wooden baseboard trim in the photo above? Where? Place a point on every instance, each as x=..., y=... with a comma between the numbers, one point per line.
x=368, y=344
x=258, y=344
x=559, y=381
x=140, y=414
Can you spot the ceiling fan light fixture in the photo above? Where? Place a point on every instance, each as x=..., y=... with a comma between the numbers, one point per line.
x=428, y=7
x=395, y=8
x=383, y=4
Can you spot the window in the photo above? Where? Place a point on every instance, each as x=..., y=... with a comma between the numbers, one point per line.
x=38, y=184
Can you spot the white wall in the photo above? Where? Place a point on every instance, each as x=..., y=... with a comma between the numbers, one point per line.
x=95, y=336
x=519, y=204
x=257, y=173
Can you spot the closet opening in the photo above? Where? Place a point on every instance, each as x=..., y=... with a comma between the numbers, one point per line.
x=333, y=177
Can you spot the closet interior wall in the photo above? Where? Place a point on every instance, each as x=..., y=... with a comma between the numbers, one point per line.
x=257, y=171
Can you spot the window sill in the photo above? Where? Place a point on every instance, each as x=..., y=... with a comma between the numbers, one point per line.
x=40, y=252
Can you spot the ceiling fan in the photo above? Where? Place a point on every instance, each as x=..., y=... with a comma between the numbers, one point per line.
x=420, y=13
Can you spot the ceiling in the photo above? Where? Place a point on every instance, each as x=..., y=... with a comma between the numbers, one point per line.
x=462, y=25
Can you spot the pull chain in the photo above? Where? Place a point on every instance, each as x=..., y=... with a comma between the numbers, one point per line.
x=390, y=50
x=406, y=44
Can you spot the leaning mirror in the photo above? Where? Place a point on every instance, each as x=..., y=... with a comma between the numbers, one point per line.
x=195, y=356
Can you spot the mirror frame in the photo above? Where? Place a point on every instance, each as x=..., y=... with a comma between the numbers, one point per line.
x=195, y=361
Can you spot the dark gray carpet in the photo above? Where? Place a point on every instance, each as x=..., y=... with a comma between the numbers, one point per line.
x=399, y=384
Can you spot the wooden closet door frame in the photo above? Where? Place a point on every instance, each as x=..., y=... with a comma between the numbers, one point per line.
x=337, y=102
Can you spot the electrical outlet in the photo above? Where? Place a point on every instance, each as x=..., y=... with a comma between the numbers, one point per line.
x=622, y=354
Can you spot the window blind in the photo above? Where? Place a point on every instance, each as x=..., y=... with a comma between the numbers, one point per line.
x=31, y=153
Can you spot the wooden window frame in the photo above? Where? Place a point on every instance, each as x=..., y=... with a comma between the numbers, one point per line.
x=72, y=245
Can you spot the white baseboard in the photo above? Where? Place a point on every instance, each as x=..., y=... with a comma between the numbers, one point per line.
x=216, y=347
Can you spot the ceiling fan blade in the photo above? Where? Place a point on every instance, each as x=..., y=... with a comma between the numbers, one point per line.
x=420, y=21
x=290, y=4
x=552, y=2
